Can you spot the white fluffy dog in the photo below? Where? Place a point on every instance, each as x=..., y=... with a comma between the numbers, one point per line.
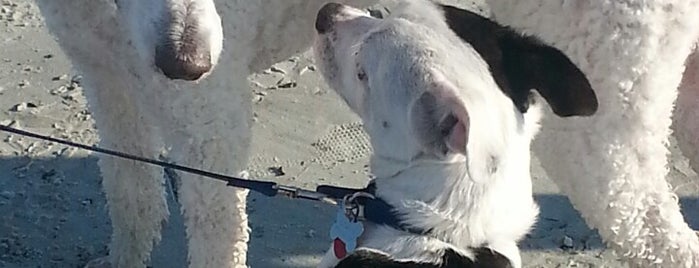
x=451, y=124
x=611, y=165
x=131, y=53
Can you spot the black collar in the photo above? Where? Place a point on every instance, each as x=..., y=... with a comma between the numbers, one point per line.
x=378, y=211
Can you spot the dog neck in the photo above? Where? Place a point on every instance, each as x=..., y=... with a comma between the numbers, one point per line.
x=461, y=212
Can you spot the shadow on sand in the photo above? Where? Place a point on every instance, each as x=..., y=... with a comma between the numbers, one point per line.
x=57, y=203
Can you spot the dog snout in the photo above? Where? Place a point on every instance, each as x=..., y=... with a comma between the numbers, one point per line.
x=326, y=17
x=182, y=63
x=189, y=40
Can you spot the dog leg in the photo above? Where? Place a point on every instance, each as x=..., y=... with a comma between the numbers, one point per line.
x=213, y=134
x=613, y=165
x=89, y=33
x=136, y=202
x=135, y=191
x=686, y=117
x=217, y=223
x=215, y=214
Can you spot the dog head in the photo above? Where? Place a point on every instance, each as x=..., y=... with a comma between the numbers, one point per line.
x=421, y=90
x=182, y=38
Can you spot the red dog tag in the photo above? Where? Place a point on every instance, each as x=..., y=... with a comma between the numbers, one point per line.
x=339, y=248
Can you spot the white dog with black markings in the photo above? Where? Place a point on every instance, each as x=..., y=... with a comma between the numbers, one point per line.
x=451, y=129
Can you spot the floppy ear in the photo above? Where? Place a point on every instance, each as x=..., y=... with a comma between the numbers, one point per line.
x=530, y=64
x=521, y=63
x=439, y=120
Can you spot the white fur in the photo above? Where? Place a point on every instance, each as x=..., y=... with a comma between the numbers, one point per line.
x=147, y=24
x=613, y=165
x=204, y=124
x=459, y=197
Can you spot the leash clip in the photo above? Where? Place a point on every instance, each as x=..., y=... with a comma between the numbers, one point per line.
x=353, y=209
x=295, y=192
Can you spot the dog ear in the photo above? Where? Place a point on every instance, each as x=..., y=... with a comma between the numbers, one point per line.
x=529, y=64
x=439, y=120
x=521, y=63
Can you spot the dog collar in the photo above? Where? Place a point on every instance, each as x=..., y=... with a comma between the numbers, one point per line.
x=365, y=206
x=378, y=211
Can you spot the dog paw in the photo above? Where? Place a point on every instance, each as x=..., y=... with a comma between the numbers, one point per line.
x=99, y=263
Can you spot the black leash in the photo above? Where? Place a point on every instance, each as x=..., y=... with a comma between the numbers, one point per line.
x=325, y=193
x=375, y=209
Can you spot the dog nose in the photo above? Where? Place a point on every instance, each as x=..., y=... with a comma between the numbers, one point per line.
x=325, y=17
x=182, y=65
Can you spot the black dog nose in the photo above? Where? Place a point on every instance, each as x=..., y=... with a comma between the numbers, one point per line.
x=184, y=67
x=325, y=18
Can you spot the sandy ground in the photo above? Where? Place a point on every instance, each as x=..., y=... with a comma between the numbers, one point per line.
x=52, y=210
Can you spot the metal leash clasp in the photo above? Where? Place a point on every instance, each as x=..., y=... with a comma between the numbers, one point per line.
x=352, y=207
x=295, y=192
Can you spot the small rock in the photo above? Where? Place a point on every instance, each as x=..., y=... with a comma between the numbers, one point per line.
x=287, y=85
x=277, y=171
x=59, y=90
x=567, y=242
x=60, y=77
x=311, y=233
x=257, y=84
x=76, y=80
x=23, y=84
x=277, y=70
x=23, y=106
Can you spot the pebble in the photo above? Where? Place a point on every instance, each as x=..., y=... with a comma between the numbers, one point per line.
x=23, y=84
x=60, y=77
x=567, y=242
x=277, y=70
x=59, y=90
x=311, y=233
x=23, y=106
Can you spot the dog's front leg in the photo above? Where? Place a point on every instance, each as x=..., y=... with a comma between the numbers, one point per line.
x=686, y=118
x=135, y=199
x=90, y=35
x=211, y=131
x=134, y=191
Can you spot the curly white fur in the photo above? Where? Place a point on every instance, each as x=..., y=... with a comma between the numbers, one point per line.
x=204, y=124
x=613, y=165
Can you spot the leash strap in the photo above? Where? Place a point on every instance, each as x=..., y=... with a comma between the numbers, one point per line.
x=375, y=210
x=264, y=187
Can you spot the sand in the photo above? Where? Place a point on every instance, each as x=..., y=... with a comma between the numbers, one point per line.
x=53, y=212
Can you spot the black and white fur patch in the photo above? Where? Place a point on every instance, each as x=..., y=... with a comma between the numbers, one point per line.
x=484, y=257
x=455, y=89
